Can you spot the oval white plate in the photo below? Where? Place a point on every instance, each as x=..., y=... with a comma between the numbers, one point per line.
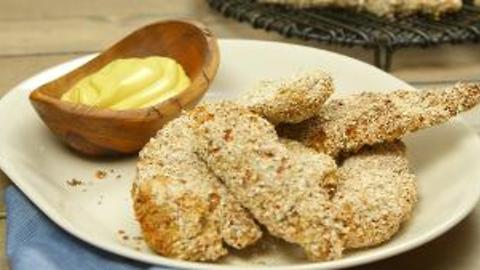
x=444, y=158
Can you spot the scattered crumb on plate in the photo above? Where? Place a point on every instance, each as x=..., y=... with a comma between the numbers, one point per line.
x=74, y=182
x=100, y=174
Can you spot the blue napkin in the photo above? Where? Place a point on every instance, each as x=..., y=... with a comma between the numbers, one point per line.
x=35, y=242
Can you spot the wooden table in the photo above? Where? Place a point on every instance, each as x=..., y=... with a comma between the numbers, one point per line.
x=38, y=34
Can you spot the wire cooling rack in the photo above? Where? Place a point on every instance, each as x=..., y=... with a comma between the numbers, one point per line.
x=350, y=28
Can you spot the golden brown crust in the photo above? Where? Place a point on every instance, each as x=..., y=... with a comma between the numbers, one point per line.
x=184, y=211
x=162, y=232
x=149, y=216
x=291, y=99
x=283, y=191
x=346, y=124
x=376, y=194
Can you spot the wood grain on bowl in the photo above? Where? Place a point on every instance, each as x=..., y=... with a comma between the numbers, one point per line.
x=95, y=131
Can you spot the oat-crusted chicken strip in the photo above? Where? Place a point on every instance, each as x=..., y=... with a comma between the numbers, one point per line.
x=376, y=194
x=184, y=211
x=346, y=124
x=283, y=192
x=290, y=99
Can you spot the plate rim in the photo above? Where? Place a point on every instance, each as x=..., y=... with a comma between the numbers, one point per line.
x=42, y=204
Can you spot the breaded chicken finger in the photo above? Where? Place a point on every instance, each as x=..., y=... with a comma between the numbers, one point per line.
x=282, y=192
x=184, y=211
x=291, y=99
x=346, y=124
x=376, y=194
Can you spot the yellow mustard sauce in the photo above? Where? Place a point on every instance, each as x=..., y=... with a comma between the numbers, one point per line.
x=130, y=83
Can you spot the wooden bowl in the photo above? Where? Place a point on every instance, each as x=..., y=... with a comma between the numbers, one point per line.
x=96, y=131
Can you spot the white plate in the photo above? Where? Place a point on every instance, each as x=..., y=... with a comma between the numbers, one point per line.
x=444, y=158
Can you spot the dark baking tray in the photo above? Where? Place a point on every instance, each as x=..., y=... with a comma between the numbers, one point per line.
x=351, y=28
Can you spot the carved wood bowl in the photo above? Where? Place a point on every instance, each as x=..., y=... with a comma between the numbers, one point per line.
x=102, y=132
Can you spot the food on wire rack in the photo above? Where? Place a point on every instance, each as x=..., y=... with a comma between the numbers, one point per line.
x=387, y=8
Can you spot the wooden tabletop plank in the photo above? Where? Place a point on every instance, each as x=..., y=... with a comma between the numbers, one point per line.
x=32, y=9
x=55, y=35
x=21, y=68
x=4, y=182
x=3, y=256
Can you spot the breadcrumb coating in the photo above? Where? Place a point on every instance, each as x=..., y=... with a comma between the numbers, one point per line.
x=284, y=193
x=376, y=194
x=304, y=154
x=184, y=211
x=290, y=99
x=383, y=8
x=346, y=124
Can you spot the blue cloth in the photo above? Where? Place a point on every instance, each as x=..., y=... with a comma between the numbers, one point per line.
x=35, y=242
